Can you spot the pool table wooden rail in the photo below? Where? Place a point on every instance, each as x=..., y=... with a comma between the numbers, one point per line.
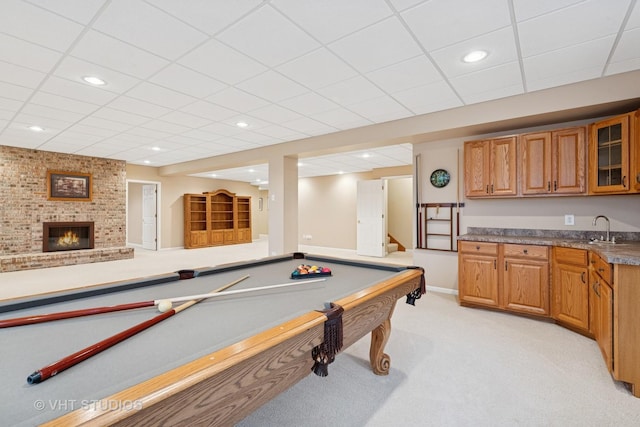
x=225, y=386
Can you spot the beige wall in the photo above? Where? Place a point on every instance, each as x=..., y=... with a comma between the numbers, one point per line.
x=520, y=213
x=134, y=213
x=400, y=207
x=172, y=190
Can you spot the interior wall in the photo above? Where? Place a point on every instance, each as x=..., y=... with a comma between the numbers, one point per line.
x=521, y=213
x=172, y=209
x=134, y=213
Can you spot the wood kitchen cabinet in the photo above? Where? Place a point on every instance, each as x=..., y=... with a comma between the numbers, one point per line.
x=613, y=142
x=526, y=279
x=504, y=276
x=478, y=273
x=553, y=162
x=601, y=306
x=491, y=167
x=570, y=290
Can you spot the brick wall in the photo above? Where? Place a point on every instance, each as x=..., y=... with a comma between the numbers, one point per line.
x=24, y=205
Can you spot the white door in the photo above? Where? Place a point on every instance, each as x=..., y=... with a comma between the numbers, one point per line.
x=371, y=228
x=149, y=216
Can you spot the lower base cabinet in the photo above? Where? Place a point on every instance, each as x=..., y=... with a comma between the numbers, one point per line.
x=570, y=290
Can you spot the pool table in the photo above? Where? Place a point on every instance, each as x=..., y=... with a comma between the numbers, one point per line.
x=213, y=363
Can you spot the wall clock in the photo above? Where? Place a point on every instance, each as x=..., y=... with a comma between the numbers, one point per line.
x=440, y=178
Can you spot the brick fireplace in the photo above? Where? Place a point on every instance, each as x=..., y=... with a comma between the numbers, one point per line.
x=67, y=236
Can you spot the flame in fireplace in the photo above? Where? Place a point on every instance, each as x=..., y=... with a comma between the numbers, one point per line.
x=69, y=238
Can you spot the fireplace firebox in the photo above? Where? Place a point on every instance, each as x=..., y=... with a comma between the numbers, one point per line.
x=67, y=236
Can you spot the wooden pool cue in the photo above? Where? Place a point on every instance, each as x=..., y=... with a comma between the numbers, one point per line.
x=79, y=356
x=41, y=318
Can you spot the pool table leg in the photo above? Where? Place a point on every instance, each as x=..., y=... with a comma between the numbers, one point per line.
x=380, y=361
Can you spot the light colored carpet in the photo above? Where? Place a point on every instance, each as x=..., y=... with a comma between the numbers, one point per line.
x=456, y=366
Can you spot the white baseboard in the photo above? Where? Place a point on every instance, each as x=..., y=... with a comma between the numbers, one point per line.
x=442, y=290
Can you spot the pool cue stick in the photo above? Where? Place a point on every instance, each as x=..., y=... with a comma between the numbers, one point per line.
x=79, y=356
x=41, y=318
x=238, y=291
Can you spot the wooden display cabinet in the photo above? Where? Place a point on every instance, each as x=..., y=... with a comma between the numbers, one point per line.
x=570, y=290
x=216, y=218
x=553, y=162
x=609, y=155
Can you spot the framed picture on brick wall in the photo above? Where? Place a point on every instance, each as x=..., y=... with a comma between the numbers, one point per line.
x=69, y=186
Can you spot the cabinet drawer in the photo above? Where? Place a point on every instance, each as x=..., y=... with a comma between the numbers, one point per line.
x=601, y=266
x=570, y=256
x=479, y=248
x=526, y=251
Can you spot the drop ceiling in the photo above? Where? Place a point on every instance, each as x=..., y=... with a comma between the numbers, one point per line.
x=180, y=75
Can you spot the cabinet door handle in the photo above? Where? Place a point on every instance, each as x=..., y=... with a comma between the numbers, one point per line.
x=477, y=248
x=582, y=277
x=624, y=181
x=495, y=264
x=505, y=266
x=595, y=289
x=555, y=185
x=526, y=251
x=549, y=186
x=491, y=188
x=487, y=188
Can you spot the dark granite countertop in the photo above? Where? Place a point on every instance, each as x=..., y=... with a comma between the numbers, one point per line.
x=626, y=250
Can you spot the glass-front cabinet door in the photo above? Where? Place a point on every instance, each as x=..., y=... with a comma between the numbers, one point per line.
x=609, y=155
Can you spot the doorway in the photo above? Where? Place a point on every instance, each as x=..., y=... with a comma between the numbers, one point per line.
x=143, y=215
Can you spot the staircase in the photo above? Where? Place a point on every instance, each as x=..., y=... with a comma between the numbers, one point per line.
x=393, y=245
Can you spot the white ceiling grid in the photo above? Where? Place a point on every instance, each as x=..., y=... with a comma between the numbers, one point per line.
x=181, y=74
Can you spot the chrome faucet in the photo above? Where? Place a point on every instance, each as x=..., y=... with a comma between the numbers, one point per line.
x=595, y=220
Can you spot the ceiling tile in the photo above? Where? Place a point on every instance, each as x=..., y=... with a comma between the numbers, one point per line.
x=392, y=44
x=309, y=103
x=91, y=130
x=341, y=118
x=281, y=132
x=627, y=55
x=67, y=104
x=54, y=113
x=404, y=75
x=237, y=100
x=160, y=96
x=208, y=111
x=120, y=116
x=99, y=123
x=203, y=16
x=222, y=62
x=20, y=76
x=12, y=91
x=185, y=119
x=597, y=18
x=527, y=9
x=111, y=53
x=162, y=126
x=317, y=69
x=500, y=46
x=308, y=126
x=76, y=90
x=428, y=98
x=187, y=81
x=272, y=86
x=136, y=106
x=74, y=69
x=275, y=114
x=10, y=104
x=81, y=11
x=380, y=110
x=27, y=54
x=492, y=83
x=345, y=16
x=440, y=23
x=36, y=25
x=122, y=20
x=563, y=66
x=269, y=37
x=51, y=125
x=351, y=91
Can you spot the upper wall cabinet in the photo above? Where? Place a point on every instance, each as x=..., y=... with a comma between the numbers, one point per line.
x=553, y=162
x=614, y=155
x=490, y=167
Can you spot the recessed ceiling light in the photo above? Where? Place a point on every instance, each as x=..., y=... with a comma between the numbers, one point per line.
x=146, y=162
x=36, y=128
x=475, y=56
x=242, y=124
x=94, y=80
x=156, y=148
x=300, y=164
x=366, y=155
x=213, y=175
